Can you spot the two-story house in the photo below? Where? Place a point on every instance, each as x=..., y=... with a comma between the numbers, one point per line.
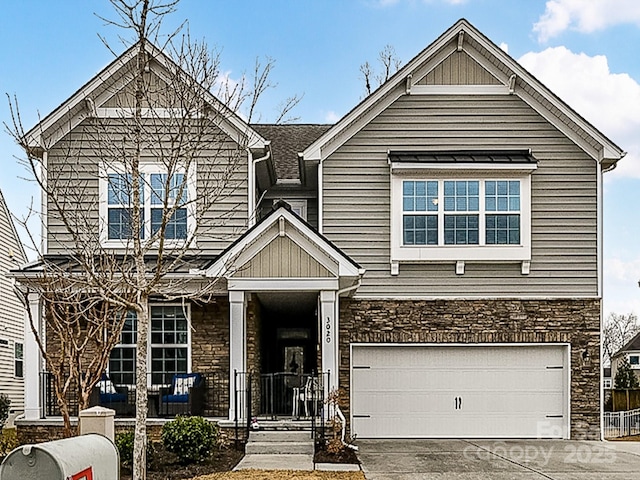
x=12, y=313
x=439, y=260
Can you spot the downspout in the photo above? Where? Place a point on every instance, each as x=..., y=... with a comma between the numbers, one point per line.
x=252, y=182
x=339, y=413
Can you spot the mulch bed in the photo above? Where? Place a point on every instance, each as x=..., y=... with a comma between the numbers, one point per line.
x=346, y=455
x=165, y=465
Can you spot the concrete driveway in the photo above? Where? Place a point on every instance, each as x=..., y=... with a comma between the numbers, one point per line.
x=499, y=460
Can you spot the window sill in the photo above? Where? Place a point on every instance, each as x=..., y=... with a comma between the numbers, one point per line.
x=453, y=253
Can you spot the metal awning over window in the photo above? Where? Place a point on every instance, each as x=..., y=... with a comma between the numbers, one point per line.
x=464, y=157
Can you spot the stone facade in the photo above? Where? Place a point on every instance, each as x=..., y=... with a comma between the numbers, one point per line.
x=573, y=321
x=210, y=351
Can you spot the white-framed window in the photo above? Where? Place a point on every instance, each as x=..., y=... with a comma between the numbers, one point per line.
x=459, y=215
x=168, y=351
x=157, y=189
x=606, y=383
x=634, y=361
x=122, y=362
x=299, y=207
x=18, y=349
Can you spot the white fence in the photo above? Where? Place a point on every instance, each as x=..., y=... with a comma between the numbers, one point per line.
x=622, y=424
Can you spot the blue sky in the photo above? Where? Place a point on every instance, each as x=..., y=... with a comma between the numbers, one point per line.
x=584, y=50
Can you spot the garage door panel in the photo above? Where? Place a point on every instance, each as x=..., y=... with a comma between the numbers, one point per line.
x=484, y=391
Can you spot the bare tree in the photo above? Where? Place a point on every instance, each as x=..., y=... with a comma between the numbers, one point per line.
x=173, y=111
x=389, y=63
x=617, y=330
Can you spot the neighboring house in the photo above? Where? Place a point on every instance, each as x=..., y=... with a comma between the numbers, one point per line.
x=632, y=352
x=12, y=313
x=440, y=262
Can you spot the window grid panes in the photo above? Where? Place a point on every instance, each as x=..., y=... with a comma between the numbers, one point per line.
x=19, y=359
x=502, y=196
x=119, y=205
x=461, y=196
x=420, y=196
x=169, y=343
x=122, y=362
x=474, y=212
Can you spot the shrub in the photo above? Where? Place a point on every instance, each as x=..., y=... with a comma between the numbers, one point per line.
x=5, y=403
x=8, y=441
x=190, y=438
x=124, y=443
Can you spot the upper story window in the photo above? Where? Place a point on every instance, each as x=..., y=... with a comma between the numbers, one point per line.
x=460, y=211
x=158, y=193
x=469, y=207
x=634, y=360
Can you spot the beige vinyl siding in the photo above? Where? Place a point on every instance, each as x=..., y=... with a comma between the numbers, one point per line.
x=283, y=258
x=11, y=311
x=356, y=191
x=459, y=69
x=73, y=165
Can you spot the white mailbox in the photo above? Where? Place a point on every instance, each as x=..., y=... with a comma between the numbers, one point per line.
x=87, y=457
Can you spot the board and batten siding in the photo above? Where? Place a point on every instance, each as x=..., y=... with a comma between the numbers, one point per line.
x=356, y=193
x=12, y=313
x=73, y=165
x=283, y=258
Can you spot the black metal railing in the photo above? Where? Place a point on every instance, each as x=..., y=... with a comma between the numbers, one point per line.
x=164, y=399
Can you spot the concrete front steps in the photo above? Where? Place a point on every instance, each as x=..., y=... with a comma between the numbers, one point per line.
x=278, y=450
x=279, y=442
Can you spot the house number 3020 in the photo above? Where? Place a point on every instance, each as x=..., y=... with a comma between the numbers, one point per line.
x=327, y=327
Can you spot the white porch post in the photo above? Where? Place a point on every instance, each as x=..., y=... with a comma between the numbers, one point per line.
x=329, y=338
x=237, y=347
x=32, y=360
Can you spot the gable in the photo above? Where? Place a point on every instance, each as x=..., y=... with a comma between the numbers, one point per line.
x=459, y=69
x=282, y=245
x=283, y=258
x=442, y=69
x=111, y=90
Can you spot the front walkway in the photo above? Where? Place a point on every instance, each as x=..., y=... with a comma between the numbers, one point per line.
x=498, y=459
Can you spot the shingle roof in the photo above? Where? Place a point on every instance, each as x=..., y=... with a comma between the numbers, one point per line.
x=287, y=141
x=510, y=156
x=632, y=345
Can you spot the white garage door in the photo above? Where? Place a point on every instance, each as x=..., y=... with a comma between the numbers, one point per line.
x=459, y=391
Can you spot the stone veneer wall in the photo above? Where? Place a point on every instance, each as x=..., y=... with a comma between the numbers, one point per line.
x=210, y=351
x=574, y=321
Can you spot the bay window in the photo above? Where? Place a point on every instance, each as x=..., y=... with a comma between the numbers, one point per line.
x=450, y=211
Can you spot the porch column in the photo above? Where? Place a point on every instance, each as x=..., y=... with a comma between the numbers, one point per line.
x=237, y=347
x=32, y=360
x=329, y=338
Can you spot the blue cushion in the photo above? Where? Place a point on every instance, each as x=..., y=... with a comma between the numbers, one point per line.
x=113, y=397
x=175, y=398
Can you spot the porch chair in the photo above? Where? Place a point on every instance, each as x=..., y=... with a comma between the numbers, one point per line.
x=304, y=395
x=185, y=395
x=107, y=395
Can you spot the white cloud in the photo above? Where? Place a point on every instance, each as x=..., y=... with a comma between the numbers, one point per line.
x=585, y=16
x=331, y=117
x=504, y=47
x=607, y=100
